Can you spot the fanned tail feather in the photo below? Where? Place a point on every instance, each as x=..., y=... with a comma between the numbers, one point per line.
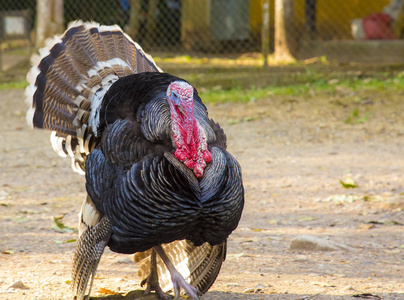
x=198, y=265
x=69, y=78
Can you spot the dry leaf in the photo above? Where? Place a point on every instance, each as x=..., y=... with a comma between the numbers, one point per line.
x=323, y=284
x=367, y=296
x=61, y=226
x=256, y=229
x=348, y=183
x=306, y=219
x=107, y=292
x=366, y=226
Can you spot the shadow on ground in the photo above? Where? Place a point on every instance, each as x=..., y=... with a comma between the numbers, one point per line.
x=255, y=296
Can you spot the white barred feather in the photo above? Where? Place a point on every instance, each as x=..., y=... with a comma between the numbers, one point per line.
x=89, y=216
x=57, y=144
x=69, y=83
x=198, y=265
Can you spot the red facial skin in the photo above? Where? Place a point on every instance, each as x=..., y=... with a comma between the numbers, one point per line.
x=189, y=137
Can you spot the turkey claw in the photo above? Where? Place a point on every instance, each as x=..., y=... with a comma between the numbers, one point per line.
x=179, y=282
x=153, y=285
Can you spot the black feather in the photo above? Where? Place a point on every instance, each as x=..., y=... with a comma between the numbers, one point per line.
x=139, y=194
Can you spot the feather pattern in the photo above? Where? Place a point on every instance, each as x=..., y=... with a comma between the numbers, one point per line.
x=70, y=78
x=162, y=205
x=106, y=103
x=199, y=265
x=94, y=234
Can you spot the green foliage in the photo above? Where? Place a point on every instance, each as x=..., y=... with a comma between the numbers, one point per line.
x=221, y=82
x=61, y=226
x=13, y=85
x=356, y=118
x=63, y=242
x=218, y=95
x=381, y=83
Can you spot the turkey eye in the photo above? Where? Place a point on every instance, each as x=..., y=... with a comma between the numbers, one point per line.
x=175, y=95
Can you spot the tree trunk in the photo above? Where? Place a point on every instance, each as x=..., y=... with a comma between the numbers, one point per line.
x=285, y=31
x=42, y=22
x=265, y=32
x=49, y=21
x=134, y=19
x=58, y=17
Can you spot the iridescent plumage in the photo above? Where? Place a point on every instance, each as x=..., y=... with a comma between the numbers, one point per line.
x=158, y=176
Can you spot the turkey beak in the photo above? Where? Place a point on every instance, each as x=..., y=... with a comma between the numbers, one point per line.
x=181, y=109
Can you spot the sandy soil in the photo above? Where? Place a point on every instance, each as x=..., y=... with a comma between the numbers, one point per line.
x=293, y=151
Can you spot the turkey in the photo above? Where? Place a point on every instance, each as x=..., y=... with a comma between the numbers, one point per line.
x=160, y=183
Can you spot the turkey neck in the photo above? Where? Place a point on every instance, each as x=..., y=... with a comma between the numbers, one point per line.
x=189, y=138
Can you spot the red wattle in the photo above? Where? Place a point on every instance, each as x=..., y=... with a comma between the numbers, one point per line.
x=180, y=155
x=207, y=157
x=190, y=164
x=198, y=171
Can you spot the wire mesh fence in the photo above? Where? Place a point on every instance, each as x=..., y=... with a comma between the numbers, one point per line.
x=344, y=30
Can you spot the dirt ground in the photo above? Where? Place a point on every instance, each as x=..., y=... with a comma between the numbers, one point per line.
x=293, y=150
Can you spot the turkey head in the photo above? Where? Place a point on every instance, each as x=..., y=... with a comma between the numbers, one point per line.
x=189, y=137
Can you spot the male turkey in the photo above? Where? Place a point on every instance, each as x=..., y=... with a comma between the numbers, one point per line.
x=158, y=176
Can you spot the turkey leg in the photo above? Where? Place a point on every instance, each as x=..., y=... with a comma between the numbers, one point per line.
x=152, y=281
x=177, y=279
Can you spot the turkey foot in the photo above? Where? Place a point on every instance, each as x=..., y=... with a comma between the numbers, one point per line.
x=177, y=279
x=152, y=281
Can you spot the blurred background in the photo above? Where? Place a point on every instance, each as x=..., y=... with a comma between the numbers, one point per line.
x=225, y=43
